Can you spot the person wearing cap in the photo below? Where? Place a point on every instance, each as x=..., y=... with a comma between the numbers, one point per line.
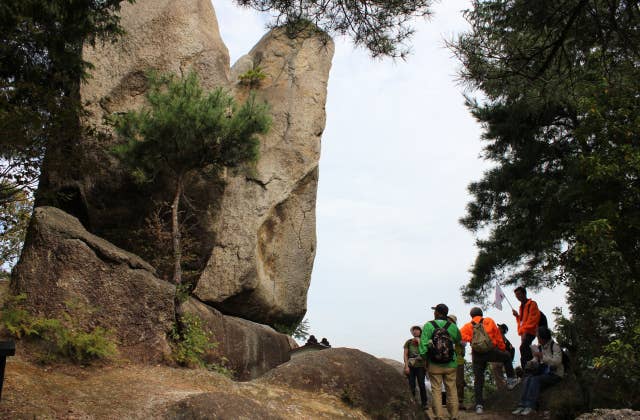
x=460, y=383
x=414, y=365
x=440, y=373
x=480, y=360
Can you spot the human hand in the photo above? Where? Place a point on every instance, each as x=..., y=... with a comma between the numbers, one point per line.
x=406, y=370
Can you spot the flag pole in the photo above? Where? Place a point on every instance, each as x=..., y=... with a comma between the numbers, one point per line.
x=505, y=295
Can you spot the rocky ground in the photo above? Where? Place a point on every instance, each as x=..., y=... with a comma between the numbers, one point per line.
x=142, y=392
x=131, y=391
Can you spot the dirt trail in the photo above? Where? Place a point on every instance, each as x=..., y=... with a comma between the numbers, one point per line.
x=128, y=391
x=139, y=392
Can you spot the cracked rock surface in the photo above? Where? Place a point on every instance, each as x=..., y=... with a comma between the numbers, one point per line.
x=255, y=228
x=260, y=267
x=66, y=270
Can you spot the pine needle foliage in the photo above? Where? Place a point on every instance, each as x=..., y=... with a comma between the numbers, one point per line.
x=184, y=130
x=559, y=105
x=383, y=27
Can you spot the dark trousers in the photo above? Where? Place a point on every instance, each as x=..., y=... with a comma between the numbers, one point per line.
x=525, y=349
x=460, y=384
x=417, y=374
x=480, y=361
x=532, y=387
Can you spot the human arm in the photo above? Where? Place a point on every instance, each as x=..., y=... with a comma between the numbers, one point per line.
x=466, y=333
x=531, y=317
x=427, y=332
x=406, y=358
x=456, y=336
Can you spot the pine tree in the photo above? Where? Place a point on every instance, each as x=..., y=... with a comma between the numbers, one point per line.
x=185, y=130
x=382, y=27
x=561, y=117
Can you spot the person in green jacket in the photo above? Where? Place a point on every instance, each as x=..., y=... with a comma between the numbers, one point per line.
x=437, y=345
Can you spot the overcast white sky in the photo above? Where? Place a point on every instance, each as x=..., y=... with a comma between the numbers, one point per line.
x=398, y=152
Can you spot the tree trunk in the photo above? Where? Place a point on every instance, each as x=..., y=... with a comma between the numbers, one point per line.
x=175, y=233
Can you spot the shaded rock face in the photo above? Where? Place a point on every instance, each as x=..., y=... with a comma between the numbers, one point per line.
x=357, y=378
x=219, y=405
x=251, y=349
x=62, y=263
x=254, y=229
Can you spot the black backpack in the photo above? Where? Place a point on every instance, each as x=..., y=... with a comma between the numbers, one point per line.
x=441, y=350
x=543, y=321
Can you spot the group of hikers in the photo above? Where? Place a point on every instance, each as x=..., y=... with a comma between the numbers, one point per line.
x=437, y=349
x=314, y=341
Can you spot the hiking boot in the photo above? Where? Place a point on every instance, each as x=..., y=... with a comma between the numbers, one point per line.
x=517, y=411
x=479, y=409
x=526, y=411
x=512, y=382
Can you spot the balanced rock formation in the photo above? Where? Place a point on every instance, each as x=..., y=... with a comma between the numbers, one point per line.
x=66, y=270
x=355, y=377
x=254, y=230
x=260, y=266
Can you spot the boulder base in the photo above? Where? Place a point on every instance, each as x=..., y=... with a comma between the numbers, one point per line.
x=219, y=405
x=251, y=349
x=66, y=270
x=357, y=378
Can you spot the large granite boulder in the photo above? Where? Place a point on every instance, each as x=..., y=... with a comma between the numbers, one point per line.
x=250, y=349
x=66, y=270
x=220, y=405
x=174, y=36
x=261, y=263
x=253, y=234
x=357, y=378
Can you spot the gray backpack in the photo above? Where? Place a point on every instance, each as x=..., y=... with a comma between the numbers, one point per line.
x=480, y=342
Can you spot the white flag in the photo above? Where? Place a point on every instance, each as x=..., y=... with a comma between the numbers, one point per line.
x=499, y=297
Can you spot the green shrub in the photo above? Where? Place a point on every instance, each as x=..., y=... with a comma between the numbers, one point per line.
x=619, y=365
x=192, y=343
x=221, y=367
x=190, y=346
x=61, y=339
x=298, y=330
x=80, y=346
x=252, y=78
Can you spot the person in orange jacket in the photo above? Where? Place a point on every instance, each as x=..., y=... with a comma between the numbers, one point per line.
x=528, y=319
x=480, y=359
